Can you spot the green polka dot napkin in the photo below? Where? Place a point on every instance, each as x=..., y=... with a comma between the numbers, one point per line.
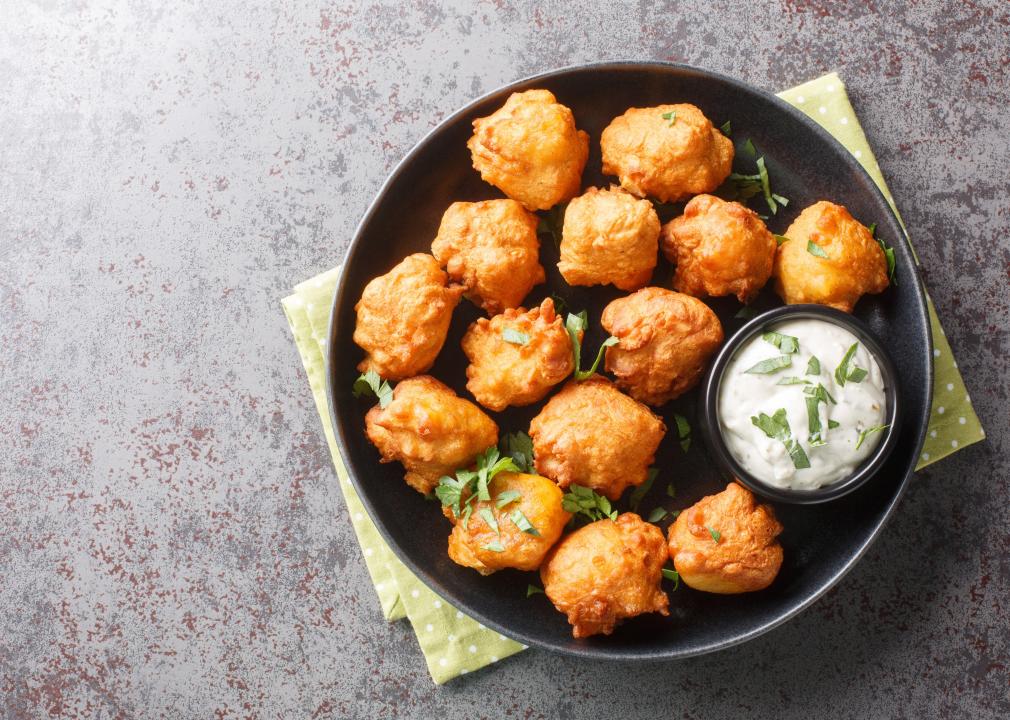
x=454, y=644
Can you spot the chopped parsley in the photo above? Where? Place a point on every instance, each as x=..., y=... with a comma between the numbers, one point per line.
x=716, y=535
x=748, y=147
x=846, y=371
x=832, y=424
x=532, y=590
x=587, y=502
x=515, y=337
x=683, y=431
x=727, y=128
x=488, y=517
x=815, y=249
x=506, y=497
x=519, y=447
x=669, y=574
x=888, y=253
x=816, y=396
x=523, y=523
x=671, y=116
x=869, y=431
x=639, y=492
x=781, y=239
x=671, y=491
x=786, y=343
x=814, y=366
x=776, y=426
x=658, y=514
x=472, y=485
x=576, y=325
x=771, y=365
x=494, y=546
x=370, y=383
x=745, y=313
x=552, y=222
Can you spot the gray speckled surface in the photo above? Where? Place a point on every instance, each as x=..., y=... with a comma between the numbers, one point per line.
x=173, y=541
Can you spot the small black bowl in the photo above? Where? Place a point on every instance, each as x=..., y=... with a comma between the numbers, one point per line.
x=710, y=402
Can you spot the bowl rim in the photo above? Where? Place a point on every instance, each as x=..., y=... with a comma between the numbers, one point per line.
x=599, y=651
x=709, y=407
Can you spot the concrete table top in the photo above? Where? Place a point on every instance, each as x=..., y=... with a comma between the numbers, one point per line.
x=173, y=542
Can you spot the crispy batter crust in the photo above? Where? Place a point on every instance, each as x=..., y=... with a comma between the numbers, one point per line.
x=605, y=572
x=747, y=556
x=430, y=430
x=664, y=340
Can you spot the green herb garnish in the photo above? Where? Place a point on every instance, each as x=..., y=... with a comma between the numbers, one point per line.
x=494, y=546
x=515, y=337
x=869, y=431
x=669, y=574
x=583, y=374
x=832, y=424
x=671, y=491
x=771, y=199
x=369, y=383
x=552, y=223
x=671, y=116
x=586, y=501
x=716, y=535
x=814, y=366
x=846, y=371
x=727, y=128
x=532, y=590
x=745, y=313
x=777, y=427
x=815, y=250
x=489, y=518
x=523, y=523
x=519, y=447
x=748, y=147
x=771, y=365
x=786, y=343
x=888, y=253
x=683, y=431
x=576, y=324
x=820, y=393
x=781, y=239
x=639, y=492
x=473, y=484
x=658, y=514
x=505, y=497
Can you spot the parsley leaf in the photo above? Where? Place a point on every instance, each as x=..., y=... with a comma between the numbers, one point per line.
x=846, y=371
x=669, y=574
x=869, y=431
x=745, y=313
x=777, y=427
x=814, y=366
x=515, y=337
x=786, y=343
x=639, y=492
x=523, y=523
x=748, y=147
x=532, y=590
x=716, y=535
x=370, y=383
x=519, y=447
x=888, y=253
x=494, y=546
x=576, y=326
x=671, y=116
x=504, y=498
x=832, y=424
x=683, y=431
x=583, y=374
x=771, y=365
x=781, y=239
x=815, y=250
x=727, y=128
x=658, y=514
x=587, y=502
x=552, y=223
x=770, y=197
x=470, y=485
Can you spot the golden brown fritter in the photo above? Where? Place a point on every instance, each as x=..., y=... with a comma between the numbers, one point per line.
x=504, y=372
x=726, y=544
x=605, y=572
x=855, y=263
x=593, y=435
x=491, y=248
x=403, y=318
x=473, y=543
x=668, y=158
x=719, y=248
x=430, y=430
x=609, y=236
x=531, y=150
x=664, y=340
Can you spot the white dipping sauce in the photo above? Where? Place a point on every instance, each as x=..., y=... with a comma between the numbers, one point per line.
x=859, y=406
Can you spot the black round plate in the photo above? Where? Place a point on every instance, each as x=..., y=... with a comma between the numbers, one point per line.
x=821, y=542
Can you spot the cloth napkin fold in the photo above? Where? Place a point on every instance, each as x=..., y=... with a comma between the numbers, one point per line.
x=453, y=643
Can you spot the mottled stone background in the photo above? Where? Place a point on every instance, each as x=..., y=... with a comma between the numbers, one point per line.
x=173, y=542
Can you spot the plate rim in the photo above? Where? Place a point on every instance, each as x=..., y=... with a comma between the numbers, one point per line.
x=598, y=651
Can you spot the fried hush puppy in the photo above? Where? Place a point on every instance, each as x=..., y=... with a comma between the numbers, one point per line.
x=605, y=572
x=719, y=248
x=403, y=318
x=593, y=435
x=490, y=248
x=429, y=430
x=669, y=152
x=609, y=236
x=726, y=544
x=517, y=357
x=475, y=544
x=854, y=264
x=664, y=340
x=531, y=150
